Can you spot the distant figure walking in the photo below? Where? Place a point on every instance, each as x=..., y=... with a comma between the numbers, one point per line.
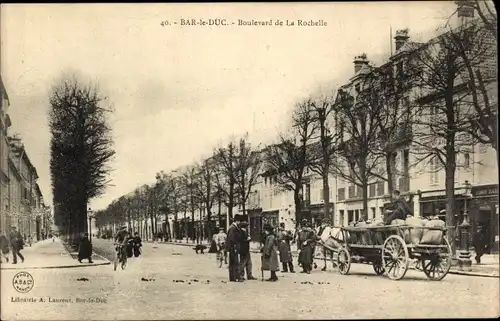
x=284, y=238
x=16, y=244
x=233, y=244
x=4, y=247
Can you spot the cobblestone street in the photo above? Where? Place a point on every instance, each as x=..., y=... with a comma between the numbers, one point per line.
x=147, y=289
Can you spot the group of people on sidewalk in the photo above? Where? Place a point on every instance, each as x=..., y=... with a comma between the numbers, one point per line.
x=275, y=248
x=12, y=242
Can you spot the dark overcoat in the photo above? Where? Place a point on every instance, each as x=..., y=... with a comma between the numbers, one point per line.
x=269, y=258
x=284, y=238
x=84, y=249
x=306, y=243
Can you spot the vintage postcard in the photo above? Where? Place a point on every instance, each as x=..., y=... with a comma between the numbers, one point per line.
x=210, y=161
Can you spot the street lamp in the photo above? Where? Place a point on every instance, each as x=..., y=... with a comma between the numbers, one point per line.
x=89, y=214
x=464, y=261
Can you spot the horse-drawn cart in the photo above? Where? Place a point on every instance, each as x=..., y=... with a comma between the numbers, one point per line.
x=390, y=248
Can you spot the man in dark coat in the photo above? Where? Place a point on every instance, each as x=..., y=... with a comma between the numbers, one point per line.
x=245, y=258
x=284, y=238
x=16, y=244
x=306, y=243
x=233, y=245
x=399, y=207
x=479, y=241
x=85, y=249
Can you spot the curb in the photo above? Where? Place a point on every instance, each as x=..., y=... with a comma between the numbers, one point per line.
x=56, y=266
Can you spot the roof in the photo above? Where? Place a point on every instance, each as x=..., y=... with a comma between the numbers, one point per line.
x=3, y=90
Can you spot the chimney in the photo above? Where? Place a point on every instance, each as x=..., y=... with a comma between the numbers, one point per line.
x=401, y=37
x=359, y=62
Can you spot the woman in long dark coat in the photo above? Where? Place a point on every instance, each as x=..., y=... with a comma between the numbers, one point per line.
x=284, y=238
x=85, y=249
x=270, y=254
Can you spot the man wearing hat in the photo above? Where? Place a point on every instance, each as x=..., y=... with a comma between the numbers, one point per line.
x=306, y=243
x=245, y=258
x=233, y=244
x=284, y=238
x=16, y=244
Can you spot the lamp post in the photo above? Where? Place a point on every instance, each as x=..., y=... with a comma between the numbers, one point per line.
x=464, y=261
x=89, y=214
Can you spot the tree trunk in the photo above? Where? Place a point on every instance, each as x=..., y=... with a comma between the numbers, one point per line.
x=450, y=198
x=365, y=201
x=219, y=211
x=298, y=206
x=388, y=169
x=326, y=197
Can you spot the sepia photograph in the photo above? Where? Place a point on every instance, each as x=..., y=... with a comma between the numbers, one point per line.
x=239, y=161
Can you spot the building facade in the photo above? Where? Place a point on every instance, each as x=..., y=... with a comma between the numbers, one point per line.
x=21, y=201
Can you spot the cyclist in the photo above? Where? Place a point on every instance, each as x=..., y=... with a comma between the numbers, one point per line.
x=220, y=240
x=121, y=239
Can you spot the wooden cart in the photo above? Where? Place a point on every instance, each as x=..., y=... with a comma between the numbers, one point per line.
x=389, y=249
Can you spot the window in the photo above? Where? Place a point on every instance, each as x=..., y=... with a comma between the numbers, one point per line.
x=350, y=216
x=467, y=160
x=341, y=217
x=352, y=190
x=341, y=193
x=380, y=188
x=359, y=191
x=308, y=192
x=374, y=210
x=372, y=190
x=381, y=211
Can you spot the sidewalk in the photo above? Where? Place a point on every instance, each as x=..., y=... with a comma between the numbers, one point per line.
x=49, y=255
x=489, y=266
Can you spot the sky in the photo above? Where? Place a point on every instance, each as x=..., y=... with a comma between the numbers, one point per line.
x=179, y=91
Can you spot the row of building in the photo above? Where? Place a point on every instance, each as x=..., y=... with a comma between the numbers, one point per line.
x=21, y=200
x=423, y=185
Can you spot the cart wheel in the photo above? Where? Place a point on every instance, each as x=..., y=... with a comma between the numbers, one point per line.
x=438, y=265
x=395, y=258
x=378, y=267
x=344, y=261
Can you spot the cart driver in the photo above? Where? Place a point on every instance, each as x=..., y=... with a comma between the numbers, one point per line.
x=399, y=208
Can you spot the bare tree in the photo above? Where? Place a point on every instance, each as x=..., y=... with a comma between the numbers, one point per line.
x=81, y=149
x=207, y=188
x=225, y=174
x=323, y=113
x=248, y=165
x=287, y=161
x=357, y=111
x=439, y=71
x=190, y=182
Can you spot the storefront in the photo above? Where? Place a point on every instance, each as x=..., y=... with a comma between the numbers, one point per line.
x=316, y=213
x=482, y=209
x=484, y=212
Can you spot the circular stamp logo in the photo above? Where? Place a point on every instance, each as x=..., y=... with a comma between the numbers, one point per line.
x=23, y=282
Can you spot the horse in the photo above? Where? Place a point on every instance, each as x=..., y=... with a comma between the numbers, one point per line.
x=330, y=240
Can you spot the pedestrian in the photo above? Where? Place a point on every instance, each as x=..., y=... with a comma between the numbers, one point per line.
x=30, y=240
x=284, y=239
x=479, y=241
x=245, y=256
x=220, y=241
x=306, y=243
x=85, y=249
x=233, y=245
x=137, y=245
x=4, y=247
x=16, y=244
x=269, y=259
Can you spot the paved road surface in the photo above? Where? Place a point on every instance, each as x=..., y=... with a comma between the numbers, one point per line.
x=361, y=294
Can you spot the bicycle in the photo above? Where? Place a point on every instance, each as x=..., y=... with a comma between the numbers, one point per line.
x=120, y=257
